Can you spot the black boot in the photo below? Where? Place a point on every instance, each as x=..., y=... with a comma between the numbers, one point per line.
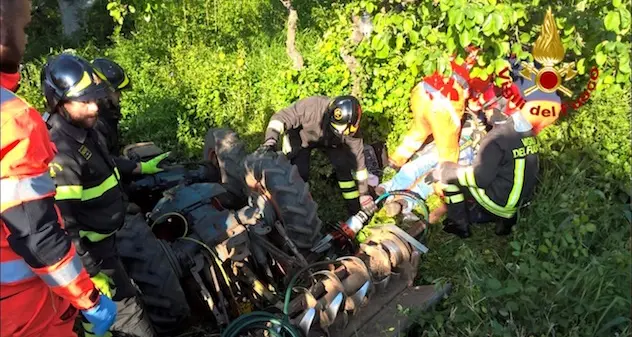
x=503, y=226
x=478, y=215
x=461, y=230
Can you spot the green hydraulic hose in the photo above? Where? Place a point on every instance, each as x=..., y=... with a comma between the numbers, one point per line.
x=261, y=320
x=266, y=320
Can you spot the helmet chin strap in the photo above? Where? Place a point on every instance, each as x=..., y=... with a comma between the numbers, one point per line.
x=61, y=110
x=340, y=129
x=112, y=107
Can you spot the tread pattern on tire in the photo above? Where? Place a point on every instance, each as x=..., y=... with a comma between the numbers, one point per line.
x=281, y=179
x=230, y=151
x=146, y=263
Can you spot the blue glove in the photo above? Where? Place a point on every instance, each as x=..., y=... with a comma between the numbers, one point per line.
x=102, y=315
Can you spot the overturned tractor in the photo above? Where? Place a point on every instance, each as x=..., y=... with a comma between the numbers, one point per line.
x=230, y=240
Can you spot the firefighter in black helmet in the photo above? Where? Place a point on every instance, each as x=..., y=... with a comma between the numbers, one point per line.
x=89, y=192
x=110, y=108
x=330, y=124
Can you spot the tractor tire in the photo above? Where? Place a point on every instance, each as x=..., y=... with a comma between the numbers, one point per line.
x=230, y=153
x=274, y=173
x=147, y=264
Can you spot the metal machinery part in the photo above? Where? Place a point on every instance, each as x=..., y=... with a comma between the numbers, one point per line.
x=141, y=151
x=232, y=259
x=240, y=261
x=340, y=291
x=232, y=262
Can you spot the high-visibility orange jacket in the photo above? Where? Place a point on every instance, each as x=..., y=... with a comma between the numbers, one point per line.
x=437, y=104
x=41, y=275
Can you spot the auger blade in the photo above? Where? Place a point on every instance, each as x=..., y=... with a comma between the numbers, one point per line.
x=411, y=240
x=359, y=296
x=306, y=320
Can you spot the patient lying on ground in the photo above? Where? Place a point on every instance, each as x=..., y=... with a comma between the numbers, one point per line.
x=411, y=175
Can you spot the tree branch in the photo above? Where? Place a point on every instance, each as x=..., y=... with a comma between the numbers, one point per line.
x=287, y=4
x=351, y=62
x=290, y=44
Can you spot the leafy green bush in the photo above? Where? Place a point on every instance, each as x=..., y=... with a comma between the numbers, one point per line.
x=600, y=134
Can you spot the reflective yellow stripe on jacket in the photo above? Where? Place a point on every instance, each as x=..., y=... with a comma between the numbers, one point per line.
x=70, y=192
x=466, y=178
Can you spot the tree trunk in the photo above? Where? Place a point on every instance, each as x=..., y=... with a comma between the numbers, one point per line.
x=71, y=16
x=290, y=44
x=350, y=60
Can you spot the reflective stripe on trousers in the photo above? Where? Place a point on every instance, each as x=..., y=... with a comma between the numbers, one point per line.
x=94, y=236
x=349, y=189
x=452, y=194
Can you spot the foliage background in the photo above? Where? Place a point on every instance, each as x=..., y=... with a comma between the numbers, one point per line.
x=195, y=64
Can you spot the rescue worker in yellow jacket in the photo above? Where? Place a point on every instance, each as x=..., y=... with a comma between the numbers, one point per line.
x=437, y=105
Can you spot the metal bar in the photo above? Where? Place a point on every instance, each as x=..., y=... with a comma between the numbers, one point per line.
x=279, y=227
x=275, y=251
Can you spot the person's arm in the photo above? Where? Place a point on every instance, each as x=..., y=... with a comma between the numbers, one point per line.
x=34, y=227
x=289, y=118
x=414, y=137
x=67, y=176
x=127, y=167
x=483, y=170
x=35, y=234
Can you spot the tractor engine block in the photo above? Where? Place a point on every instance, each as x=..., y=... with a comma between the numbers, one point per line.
x=193, y=212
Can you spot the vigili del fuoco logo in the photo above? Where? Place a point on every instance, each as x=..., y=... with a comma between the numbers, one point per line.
x=540, y=87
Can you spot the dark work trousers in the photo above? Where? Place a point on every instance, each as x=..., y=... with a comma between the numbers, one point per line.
x=468, y=211
x=343, y=165
x=131, y=319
